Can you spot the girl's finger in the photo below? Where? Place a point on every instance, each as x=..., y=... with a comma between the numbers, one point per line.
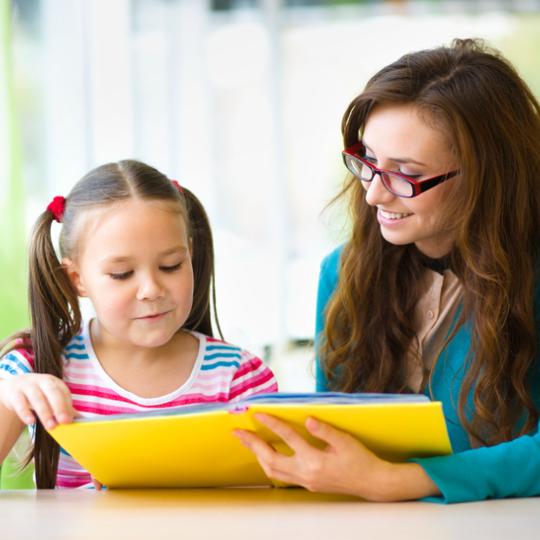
x=98, y=485
x=39, y=403
x=22, y=408
x=59, y=403
x=69, y=399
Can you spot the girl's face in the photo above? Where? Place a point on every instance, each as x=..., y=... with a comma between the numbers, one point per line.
x=135, y=266
x=398, y=139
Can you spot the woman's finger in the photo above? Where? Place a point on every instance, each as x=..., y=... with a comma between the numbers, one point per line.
x=255, y=443
x=330, y=435
x=283, y=477
x=267, y=456
x=286, y=432
x=275, y=465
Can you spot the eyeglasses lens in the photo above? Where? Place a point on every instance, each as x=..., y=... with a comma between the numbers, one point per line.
x=397, y=185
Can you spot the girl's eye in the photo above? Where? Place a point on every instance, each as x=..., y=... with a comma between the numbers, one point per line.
x=371, y=159
x=172, y=268
x=121, y=275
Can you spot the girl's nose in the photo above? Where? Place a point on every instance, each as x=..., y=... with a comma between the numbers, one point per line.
x=149, y=288
x=376, y=193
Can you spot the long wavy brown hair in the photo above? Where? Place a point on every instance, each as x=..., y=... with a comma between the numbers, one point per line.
x=492, y=122
x=54, y=304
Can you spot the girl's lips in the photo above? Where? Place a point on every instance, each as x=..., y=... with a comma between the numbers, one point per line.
x=152, y=317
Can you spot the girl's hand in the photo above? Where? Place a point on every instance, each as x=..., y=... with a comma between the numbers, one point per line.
x=345, y=466
x=46, y=396
x=97, y=484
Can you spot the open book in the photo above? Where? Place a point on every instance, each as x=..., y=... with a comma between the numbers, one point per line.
x=193, y=446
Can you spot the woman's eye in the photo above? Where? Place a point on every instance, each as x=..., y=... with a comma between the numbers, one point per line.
x=121, y=275
x=371, y=159
x=409, y=175
x=171, y=268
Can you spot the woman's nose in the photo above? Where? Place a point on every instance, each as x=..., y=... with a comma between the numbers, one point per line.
x=376, y=193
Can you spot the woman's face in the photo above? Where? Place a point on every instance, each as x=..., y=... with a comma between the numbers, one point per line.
x=398, y=139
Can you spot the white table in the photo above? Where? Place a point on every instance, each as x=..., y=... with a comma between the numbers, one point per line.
x=256, y=514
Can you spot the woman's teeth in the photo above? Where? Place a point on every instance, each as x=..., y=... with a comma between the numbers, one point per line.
x=392, y=215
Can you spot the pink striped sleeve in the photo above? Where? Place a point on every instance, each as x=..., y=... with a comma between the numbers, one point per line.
x=16, y=362
x=28, y=355
x=252, y=377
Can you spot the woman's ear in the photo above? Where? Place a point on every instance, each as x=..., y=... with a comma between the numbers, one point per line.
x=73, y=273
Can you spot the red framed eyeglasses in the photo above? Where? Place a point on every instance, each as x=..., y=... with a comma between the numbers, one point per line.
x=397, y=183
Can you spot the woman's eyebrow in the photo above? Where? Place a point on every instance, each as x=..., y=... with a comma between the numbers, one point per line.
x=397, y=160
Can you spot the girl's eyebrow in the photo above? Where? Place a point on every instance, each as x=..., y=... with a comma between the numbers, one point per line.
x=125, y=258
x=397, y=160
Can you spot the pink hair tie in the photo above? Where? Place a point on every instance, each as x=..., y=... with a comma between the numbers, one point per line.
x=177, y=185
x=56, y=208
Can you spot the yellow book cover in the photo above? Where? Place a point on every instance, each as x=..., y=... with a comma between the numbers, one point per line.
x=193, y=446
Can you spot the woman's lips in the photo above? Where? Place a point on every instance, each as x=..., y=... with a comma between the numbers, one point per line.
x=391, y=218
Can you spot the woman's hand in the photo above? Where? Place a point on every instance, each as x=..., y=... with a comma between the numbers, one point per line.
x=344, y=466
x=43, y=395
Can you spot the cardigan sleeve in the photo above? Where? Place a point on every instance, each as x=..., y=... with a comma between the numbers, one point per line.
x=510, y=469
x=328, y=279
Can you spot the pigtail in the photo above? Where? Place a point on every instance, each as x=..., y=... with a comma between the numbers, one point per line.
x=56, y=319
x=204, y=296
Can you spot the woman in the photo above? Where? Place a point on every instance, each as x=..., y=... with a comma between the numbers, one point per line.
x=437, y=290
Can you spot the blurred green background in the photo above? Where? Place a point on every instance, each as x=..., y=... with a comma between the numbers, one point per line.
x=13, y=312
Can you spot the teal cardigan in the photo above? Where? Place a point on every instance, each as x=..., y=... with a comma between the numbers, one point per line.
x=510, y=469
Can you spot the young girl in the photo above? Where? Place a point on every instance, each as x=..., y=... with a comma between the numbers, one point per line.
x=438, y=289
x=140, y=248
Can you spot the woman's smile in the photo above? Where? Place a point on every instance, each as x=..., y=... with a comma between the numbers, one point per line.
x=385, y=217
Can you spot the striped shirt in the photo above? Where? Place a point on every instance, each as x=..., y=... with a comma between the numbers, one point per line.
x=221, y=373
